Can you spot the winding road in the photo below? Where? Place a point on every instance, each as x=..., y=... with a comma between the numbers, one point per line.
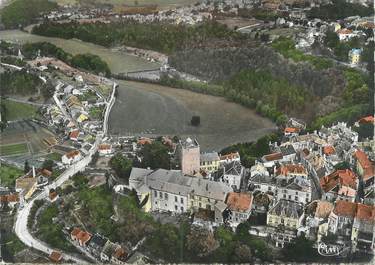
x=20, y=226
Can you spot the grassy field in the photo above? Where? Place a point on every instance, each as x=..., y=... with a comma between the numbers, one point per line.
x=54, y=157
x=18, y=111
x=8, y=175
x=13, y=149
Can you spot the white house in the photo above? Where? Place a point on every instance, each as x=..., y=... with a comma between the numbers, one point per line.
x=71, y=157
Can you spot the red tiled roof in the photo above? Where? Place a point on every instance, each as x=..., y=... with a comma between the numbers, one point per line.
x=344, y=177
x=72, y=154
x=81, y=235
x=291, y=168
x=345, y=208
x=55, y=256
x=239, y=201
x=75, y=231
x=365, y=163
x=329, y=150
x=344, y=31
x=291, y=130
x=274, y=156
x=367, y=119
x=144, y=141
x=74, y=134
x=120, y=253
x=365, y=212
x=10, y=198
x=230, y=156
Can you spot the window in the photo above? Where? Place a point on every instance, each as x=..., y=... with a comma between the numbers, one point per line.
x=166, y=196
x=182, y=200
x=307, y=199
x=175, y=207
x=296, y=198
x=269, y=188
x=156, y=194
x=161, y=194
x=284, y=196
x=200, y=205
x=175, y=198
x=290, y=197
x=182, y=209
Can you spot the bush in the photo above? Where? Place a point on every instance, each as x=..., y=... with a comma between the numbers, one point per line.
x=196, y=120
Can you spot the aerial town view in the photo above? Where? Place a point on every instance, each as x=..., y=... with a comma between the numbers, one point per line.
x=187, y=131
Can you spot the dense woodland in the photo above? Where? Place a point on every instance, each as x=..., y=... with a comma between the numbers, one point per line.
x=161, y=37
x=24, y=12
x=339, y=9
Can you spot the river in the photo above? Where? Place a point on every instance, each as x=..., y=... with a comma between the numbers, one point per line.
x=149, y=109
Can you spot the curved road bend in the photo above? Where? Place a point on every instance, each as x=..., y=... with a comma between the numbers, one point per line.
x=20, y=226
x=23, y=213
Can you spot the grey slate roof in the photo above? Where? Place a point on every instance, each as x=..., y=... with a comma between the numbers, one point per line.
x=209, y=157
x=287, y=208
x=174, y=181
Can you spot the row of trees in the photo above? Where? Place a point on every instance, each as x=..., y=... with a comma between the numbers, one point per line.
x=157, y=36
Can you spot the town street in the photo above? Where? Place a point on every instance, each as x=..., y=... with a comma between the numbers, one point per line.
x=20, y=227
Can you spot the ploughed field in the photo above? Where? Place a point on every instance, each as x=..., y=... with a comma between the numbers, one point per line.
x=149, y=110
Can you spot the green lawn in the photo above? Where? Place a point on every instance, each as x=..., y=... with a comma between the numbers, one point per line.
x=13, y=149
x=54, y=157
x=8, y=175
x=17, y=111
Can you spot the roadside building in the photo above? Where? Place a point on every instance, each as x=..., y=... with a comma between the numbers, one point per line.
x=342, y=184
x=71, y=157
x=80, y=237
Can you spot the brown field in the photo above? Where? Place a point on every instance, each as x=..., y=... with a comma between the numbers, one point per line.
x=146, y=109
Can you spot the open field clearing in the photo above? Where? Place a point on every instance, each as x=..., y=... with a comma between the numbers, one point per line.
x=13, y=149
x=26, y=132
x=8, y=175
x=118, y=62
x=18, y=111
x=145, y=109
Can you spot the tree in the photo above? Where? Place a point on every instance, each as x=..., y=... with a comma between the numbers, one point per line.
x=26, y=167
x=200, y=241
x=155, y=155
x=196, y=120
x=300, y=249
x=121, y=165
x=48, y=164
